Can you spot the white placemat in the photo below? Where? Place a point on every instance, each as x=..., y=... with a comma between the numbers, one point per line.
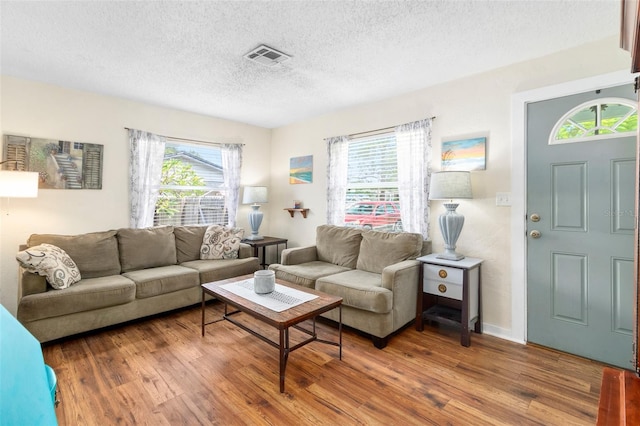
x=281, y=299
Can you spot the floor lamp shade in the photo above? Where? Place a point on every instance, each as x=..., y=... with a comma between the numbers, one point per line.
x=449, y=186
x=255, y=195
x=15, y=184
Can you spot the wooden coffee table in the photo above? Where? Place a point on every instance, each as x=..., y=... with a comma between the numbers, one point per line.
x=282, y=321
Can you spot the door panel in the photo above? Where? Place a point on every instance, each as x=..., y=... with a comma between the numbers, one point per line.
x=580, y=266
x=569, y=211
x=569, y=287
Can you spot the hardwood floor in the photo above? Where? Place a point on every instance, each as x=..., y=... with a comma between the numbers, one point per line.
x=160, y=371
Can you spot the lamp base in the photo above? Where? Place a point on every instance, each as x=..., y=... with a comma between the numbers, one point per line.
x=255, y=219
x=451, y=223
x=450, y=256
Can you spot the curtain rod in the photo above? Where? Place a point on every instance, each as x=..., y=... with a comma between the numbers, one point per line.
x=382, y=129
x=192, y=140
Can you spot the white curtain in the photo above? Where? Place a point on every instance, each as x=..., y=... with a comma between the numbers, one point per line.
x=145, y=170
x=231, y=167
x=413, y=142
x=338, y=153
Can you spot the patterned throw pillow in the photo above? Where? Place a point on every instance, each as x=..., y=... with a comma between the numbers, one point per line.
x=52, y=262
x=220, y=242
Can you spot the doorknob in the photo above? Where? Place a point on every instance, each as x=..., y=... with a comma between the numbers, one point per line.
x=535, y=217
x=534, y=234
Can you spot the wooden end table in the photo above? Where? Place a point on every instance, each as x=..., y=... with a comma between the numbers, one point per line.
x=264, y=242
x=453, y=292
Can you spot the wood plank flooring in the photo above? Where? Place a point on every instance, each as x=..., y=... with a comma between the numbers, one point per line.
x=160, y=371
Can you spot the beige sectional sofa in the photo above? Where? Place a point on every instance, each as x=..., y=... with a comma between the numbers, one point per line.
x=126, y=274
x=374, y=272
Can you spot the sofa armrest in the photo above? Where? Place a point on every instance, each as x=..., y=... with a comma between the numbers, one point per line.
x=298, y=255
x=245, y=251
x=30, y=283
x=402, y=276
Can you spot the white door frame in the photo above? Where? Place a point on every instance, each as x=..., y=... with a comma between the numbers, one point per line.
x=519, y=183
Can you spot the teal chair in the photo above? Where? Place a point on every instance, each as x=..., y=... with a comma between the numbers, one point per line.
x=27, y=384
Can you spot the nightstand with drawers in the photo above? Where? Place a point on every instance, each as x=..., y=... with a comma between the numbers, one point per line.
x=449, y=293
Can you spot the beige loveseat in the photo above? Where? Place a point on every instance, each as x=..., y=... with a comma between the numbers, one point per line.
x=126, y=274
x=374, y=272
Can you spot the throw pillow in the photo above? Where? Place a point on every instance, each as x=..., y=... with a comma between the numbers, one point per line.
x=51, y=262
x=220, y=242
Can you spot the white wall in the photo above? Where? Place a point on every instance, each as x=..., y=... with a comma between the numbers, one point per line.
x=479, y=105
x=45, y=111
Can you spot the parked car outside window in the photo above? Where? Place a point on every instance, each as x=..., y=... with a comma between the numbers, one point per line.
x=378, y=215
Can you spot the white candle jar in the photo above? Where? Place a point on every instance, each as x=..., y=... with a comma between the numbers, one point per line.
x=264, y=281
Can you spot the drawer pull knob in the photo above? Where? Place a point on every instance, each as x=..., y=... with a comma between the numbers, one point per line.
x=442, y=288
x=442, y=273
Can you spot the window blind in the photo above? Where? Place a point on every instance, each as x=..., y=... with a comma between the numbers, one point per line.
x=373, y=169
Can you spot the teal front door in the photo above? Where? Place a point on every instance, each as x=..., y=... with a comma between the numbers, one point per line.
x=580, y=223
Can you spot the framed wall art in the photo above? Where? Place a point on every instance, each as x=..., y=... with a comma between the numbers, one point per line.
x=301, y=169
x=464, y=154
x=59, y=164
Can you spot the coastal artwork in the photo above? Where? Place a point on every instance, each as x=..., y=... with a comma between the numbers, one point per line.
x=59, y=164
x=301, y=169
x=465, y=154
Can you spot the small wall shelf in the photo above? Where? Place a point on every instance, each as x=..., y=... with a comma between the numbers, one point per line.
x=302, y=211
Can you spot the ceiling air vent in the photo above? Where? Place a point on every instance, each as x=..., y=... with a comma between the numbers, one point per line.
x=266, y=55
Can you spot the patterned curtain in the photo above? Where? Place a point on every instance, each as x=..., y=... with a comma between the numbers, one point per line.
x=413, y=142
x=231, y=167
x=338, y=153
x=145, y=170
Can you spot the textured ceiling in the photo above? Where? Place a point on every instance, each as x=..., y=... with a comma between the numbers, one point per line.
x=189, y=55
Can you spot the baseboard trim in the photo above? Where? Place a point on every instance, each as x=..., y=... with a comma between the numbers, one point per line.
x=502, y=333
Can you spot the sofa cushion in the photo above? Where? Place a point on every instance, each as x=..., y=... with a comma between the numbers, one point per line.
x=306, y=274
x=146, y=247
x=215, y=270
x=381, y=249
x=86, y=295
x=358, y=289
x=221, y=242
x=162, y=279
x=338, y=245
x=95, y=253
x=188, y=241
x=51, y=262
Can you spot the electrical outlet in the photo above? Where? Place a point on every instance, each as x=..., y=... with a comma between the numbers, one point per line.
x=503, y=198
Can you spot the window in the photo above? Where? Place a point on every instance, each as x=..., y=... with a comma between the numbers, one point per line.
x=191, y=186
x=594, y=120
x=381, y=181
x=372, y=200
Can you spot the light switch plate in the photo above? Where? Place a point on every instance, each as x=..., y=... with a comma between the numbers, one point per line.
x=503, y=198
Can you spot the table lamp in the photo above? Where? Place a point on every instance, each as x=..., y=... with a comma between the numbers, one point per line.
x=449, y=186
x=254, y=195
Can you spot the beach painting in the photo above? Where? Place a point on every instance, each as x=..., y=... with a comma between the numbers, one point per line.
x=465, y=154
x=301, y=169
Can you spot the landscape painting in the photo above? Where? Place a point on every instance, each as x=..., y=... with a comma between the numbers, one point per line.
x=301, y=169
x=60, y=164
x=465, y=154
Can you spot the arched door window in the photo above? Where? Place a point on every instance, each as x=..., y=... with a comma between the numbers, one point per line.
x=596, y=119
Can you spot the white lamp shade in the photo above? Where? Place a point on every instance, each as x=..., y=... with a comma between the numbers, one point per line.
x=15, y=184
x=450, y=185
x=254, y=195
